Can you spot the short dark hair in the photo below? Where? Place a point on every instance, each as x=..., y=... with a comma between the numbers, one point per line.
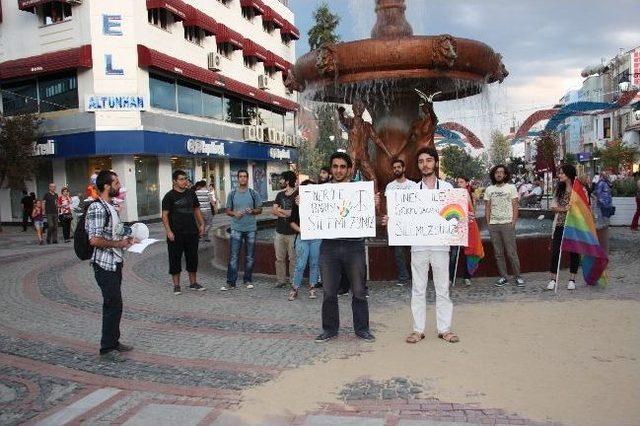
x=176, y=174
x=105, y=177
x=326, y=169
x=466, y=179
x=200, y=184
x=342, y=156
x=428, y=150
x=242, y=171
x=290, y=177
x=306, y=182
x=397, y=160
x=494, y=169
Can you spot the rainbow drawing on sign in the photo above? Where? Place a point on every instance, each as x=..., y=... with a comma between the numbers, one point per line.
x=343, y=210
x=452, y=211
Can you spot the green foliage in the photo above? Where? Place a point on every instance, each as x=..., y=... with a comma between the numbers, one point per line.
x=618, y=156
x=17, y=136
x=314, y=156
x=324, y=30
x=546, y=147
x=624, y=187
x=570, y=159
x=516, y=166
x=500, y=149
x=456, y=162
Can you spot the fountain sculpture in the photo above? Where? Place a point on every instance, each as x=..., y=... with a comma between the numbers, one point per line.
x=383, y=73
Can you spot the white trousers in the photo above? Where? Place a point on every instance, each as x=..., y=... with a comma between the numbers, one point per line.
x=439, y=261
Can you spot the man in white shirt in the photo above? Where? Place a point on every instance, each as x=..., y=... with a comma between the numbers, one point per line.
x=400, y=182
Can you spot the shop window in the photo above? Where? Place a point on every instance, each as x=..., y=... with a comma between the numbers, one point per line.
x=606, y=127
x=163, y=92
x=194, y=35
x=20, y=97
x=212, y=105
x=147, y=186
x=225, y=49
x=233, y=110
x=55, y=12
x=58, y=92
x=250, y=62
x=187, y=165
x=189, y=99
x=158, y=17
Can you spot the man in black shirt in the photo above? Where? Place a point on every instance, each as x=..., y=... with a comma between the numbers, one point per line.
x=27, y=208
x=184, y=224
x=284, y=241
x=51, y=210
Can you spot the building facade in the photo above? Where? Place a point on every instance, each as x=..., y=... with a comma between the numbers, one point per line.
x=146, y=87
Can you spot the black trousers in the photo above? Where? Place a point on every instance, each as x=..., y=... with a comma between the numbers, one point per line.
x=65, y=221
x=187, y=244
x=337, y=258
x=110, y=283
x=574, y=258
x=26, y=218
x=52, y=228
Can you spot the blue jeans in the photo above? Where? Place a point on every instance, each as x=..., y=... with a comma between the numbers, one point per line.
x=307, y=250
x=401, y=263
x=235, y=245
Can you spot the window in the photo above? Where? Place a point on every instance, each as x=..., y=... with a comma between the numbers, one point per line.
x=58, y=92
x=268, y=27
x=289, y=123
x=157, y=17
x=163, y=92
x=189, y=99
x=248, y=13
x=250, y=114
x=250, y=62
x=55, y=12
x=271, y=72
x=20, y=97
x=233, y=110
x=225, y=2
x=606, y=127
x=212, y=105
x=225, y=50
x=286, y=39
x=194, y=35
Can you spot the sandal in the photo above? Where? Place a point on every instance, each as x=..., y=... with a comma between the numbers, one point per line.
x=292, y=295
x=312, y=293
x=415, y=337
x=449, y=336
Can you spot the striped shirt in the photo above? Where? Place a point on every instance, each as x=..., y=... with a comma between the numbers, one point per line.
x=204, y=197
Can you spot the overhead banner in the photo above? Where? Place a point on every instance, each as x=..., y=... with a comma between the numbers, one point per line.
x=428, y=217
x=337, y=210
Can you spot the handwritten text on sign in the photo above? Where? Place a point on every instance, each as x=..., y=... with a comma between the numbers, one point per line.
x=428, y=217
x=340, y=210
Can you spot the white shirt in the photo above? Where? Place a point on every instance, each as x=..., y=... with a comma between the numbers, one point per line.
x=394, y=185
x=440, y=184
x=537, y=191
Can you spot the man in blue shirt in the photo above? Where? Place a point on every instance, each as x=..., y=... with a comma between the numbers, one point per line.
x=243, y=205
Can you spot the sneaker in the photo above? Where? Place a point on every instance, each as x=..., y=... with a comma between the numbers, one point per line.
x=401, y=283
x=124, y=348
x=501, y=282
x=177, y=290
x=196, y=286
x=366, y=336
x=249, y=286
x=467, y=282
x=312, y=293
x=112, y=356
x=571, y=285
x=325, y=336
x=227, y=287
x=519, y=281
x=293, y=294
x=346, y=293
x=551, y=285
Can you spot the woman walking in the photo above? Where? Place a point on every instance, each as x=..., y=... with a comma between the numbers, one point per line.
x=560, y=205
x=37, y=215
x=64, y=211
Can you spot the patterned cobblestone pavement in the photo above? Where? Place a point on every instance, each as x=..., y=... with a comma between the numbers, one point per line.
x=201, y=350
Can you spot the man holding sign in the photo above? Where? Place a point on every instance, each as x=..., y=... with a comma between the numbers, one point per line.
x=431, y=217
x=342, y=214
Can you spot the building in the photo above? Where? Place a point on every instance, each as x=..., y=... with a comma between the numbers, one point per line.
x=145, y=87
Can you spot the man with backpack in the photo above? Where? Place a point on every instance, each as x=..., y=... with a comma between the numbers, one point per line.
x=243, y=205
x=105, y=249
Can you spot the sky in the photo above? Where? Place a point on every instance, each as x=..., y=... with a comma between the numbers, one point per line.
x=544, y=43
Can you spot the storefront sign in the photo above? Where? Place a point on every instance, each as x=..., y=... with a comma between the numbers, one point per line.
x=40, y=149
x=280, y=154
x=199, y=146
x=584, y=157
x=339, y=210
x=115, y=103
x=428, y=217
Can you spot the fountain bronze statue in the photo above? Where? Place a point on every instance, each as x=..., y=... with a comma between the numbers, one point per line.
x=382, y=74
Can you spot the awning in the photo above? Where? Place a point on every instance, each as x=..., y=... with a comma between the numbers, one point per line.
x=195, y=18
x=227, y=35
x=252, y=49
x=632, y=128
x=80, y=57
x=290, y=30
x=256, y=5
x=178, y=8
x=271, y=15
x=150, y=58
x=275, y=61
x=29, y=5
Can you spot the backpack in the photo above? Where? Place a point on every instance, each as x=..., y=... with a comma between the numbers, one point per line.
x=251, y=192
x=81, y=245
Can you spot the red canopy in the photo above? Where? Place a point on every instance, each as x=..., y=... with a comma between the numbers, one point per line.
x=271, y=15
x=196, y=18
x=256, y=5
x=227, y=35
x=178, y=8
x=29, y=5
x=80, y=57
x=251, y=48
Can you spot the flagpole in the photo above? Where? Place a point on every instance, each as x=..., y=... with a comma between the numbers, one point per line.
x=559, y=262
x=455, y=270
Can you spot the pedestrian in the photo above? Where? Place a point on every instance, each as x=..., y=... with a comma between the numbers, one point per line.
x=400, y=182
x=213, y=199
x=325, y=174
x=343, y=256
x=560, y=205
x=435, y=256
x=307, y=252
x=604, y=207
x=457, y=252
x=51, y=211
x=636, y=217
x=184, y=225
x=501, y=212
x=285, y=237
x=27, y=208
x=64, y=210
x=37, y=216
x=101, y=224
x=204, y=198
x=75, y=210
x=243, y=205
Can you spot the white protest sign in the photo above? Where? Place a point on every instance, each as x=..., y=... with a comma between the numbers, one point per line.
x=428, y=217
x=337, y=210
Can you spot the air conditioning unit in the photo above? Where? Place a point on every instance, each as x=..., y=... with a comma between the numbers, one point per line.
x=250, y=133
x=260, y=133
x=214, y=61
x=263, y=82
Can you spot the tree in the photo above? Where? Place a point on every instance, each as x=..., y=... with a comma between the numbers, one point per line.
x=500, y=149
x=17, y=136
x=315, y=154
x=516, y=166
x=324, y=29
x=546, y=148
x=457, y=162
x=570, y=159
x=618, y=156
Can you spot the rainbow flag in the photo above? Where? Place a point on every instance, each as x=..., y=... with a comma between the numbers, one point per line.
x=474, y=252
x=580, y=237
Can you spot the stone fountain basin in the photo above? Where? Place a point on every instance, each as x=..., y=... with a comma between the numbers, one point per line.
x=422, y=62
